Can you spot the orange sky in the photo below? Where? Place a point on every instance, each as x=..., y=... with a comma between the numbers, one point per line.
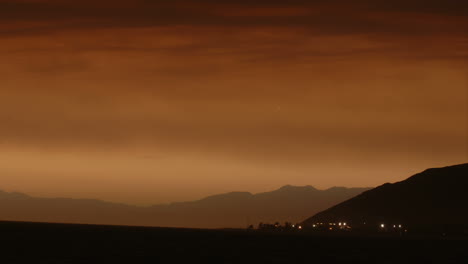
x=156, y=101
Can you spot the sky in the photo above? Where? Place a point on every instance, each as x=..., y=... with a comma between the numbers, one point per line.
x=147, y=102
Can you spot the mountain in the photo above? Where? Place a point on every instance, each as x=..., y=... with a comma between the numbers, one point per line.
x=289, y=203
x=434, y=199
x=231, y=210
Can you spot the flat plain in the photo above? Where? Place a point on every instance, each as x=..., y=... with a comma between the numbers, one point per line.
x=65, y=243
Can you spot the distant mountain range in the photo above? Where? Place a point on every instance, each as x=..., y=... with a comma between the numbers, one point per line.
x=433, y=199
x=231, y=210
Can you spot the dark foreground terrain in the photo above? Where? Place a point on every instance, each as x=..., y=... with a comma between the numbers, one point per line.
x=58, y=243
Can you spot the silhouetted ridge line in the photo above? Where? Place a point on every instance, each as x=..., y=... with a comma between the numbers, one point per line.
x=434, y=198
x=235, y=209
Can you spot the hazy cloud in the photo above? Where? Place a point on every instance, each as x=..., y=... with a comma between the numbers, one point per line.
x=326, y=17
x=239, y=86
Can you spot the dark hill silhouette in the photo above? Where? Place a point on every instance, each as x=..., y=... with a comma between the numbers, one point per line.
x=435, y=199
x=236, y=209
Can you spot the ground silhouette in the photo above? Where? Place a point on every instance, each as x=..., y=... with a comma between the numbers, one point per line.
x=58, y=243
x=431, y=200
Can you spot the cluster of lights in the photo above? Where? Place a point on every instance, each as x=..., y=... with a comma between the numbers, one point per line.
x=344, y=225
x=279, y=227
x=339, y=224
x=330, y=226
x=394, y=226
x=297, y=226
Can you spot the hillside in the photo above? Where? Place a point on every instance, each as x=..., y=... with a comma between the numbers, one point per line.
x=435, y=198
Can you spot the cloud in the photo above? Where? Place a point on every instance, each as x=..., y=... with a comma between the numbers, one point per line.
x=326, y=17
x=305, y=88
x=246, y=31
x=208, y=51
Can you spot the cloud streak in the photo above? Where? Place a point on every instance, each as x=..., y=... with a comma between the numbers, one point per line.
x=326, y=17
x=293, y=86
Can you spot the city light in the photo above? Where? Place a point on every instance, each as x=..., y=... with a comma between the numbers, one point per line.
x=382, y=225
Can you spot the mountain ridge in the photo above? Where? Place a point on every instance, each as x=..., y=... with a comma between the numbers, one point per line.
x=234, y=209
x=434, y=197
